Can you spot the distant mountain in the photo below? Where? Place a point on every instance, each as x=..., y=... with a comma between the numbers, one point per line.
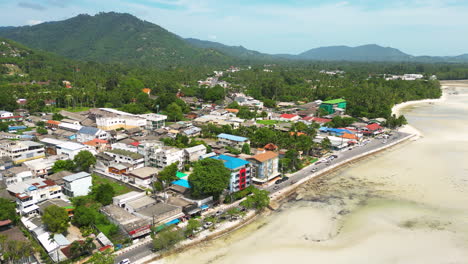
x=112, y=37
x=370, y=52
x=233, y=51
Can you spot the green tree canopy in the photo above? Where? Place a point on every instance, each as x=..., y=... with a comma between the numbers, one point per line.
x=105, y=257
x=167, y=239
x=246, y=148
x=168, y=174
x=209, y=177
x=104, y=193
x=61, y=165
x=55, y=219
x=258, y=200
x=174, y=112
x=193, y=224
x=84, y=159
x=84, y=216
x=7, y=210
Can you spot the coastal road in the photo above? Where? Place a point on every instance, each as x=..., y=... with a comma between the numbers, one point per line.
x=342, y=155
x=136, y=253
x=145, y=249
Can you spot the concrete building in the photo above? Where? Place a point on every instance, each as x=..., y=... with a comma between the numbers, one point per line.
x=142, y=176
x=332, y=106
x=135, y=160
x=31, y=192
x=240, y=172
x=193, y=154
x=154, y=121
x=165, y=156
x=89, y=133
x=43, y=167
x=16, y=174
x=264, y=166
x=232, y=140
x=78, y=184
x=71, y=149
x=21, y=151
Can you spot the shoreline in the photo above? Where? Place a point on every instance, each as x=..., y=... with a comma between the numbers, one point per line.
x=277, y=198
x=397, y=109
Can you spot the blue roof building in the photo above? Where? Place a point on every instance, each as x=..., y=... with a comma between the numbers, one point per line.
x=232, y=140
x=241, y=172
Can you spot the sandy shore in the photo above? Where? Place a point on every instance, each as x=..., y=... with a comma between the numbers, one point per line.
x=397, y=110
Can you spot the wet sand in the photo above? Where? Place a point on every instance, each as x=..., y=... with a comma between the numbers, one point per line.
x=405, y=205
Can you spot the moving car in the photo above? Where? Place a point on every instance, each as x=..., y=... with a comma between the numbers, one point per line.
x=125, y=261
x=278, y=181
x=207, y=225
x=276, y=188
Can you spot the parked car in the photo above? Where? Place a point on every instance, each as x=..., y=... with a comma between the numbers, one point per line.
x=125, y=261
x=285, y=178
x=278, y=181
x=207, y=225
x=218, y=213
x=276, y=187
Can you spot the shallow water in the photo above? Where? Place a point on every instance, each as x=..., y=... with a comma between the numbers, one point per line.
x=405, y=205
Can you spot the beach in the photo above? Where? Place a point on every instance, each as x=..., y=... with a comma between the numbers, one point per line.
x=408, y=204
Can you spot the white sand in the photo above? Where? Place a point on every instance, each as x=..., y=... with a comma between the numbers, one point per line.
x=399, y=108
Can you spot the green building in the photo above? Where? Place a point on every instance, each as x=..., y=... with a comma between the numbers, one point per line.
x=330, y=105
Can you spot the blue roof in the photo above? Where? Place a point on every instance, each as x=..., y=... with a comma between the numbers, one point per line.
x=88, y=130
x=182, y=182
x=231, y=162
x=232, y=137
x=335, y=130
x=173, y=222
x=16, y=127
x=203, y=207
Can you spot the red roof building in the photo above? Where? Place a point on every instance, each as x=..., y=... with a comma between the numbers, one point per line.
x=321, y=120
x=288, y=116
x=374, y=127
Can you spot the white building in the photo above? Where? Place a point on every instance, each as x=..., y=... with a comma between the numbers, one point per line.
x=154, y=121
x=135, y=160
x=165, y=156
x=4, y=114
x=21, y=151
x=193, y=154
x=71, y=149
x=78, y=184
x=31, y=192
x=16, y=174
x=43, y=167
x=249, y=101
x=142, y=176
x=89, y=133
x=232, y=140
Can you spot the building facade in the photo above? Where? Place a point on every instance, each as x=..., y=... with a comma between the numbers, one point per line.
x=77, y=184
x=264, y=166
x=241, y=172
x=21, y=151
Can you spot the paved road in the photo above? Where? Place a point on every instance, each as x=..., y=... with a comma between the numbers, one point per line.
x=145, y=249
x=342, y=155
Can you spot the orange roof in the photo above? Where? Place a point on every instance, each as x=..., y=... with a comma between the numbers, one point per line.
x=297, y=133
x=265, y=156
x=270, y=146
x=349, y=136
x=53, y=122
x=146, y=90
x=95, y=142
x=231, y=110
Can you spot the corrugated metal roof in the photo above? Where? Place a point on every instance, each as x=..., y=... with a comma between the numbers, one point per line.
x=231, y=162
x=232, y=137
x=89, y=130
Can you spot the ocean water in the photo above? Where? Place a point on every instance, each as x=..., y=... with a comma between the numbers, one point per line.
x=405, y=205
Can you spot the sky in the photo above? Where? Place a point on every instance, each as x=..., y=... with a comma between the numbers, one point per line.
x=416, y=27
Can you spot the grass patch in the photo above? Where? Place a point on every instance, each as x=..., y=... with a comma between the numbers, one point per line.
x=267, y=122
x=74, y=109
x=118, y=187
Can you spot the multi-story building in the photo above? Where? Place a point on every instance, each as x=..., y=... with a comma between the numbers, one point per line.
x=240, y=172
x=154, y=121
x=77, y=184
x=6, y=116
x=43, y=167
x=31, y=192
x=232, y=140
x=16, y=174
x=165, y=156
x=193, y=154
x=90, y=133
x=264, y=166
x=21, y=151
x=135, y=160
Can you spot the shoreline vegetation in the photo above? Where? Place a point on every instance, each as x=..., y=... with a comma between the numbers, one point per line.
x=278, y=198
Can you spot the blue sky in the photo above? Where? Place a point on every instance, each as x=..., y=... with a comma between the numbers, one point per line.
x=417, y=27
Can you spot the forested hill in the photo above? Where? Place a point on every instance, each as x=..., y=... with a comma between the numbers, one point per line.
x=233, y=51
x=113, y=37
x=361, y=53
